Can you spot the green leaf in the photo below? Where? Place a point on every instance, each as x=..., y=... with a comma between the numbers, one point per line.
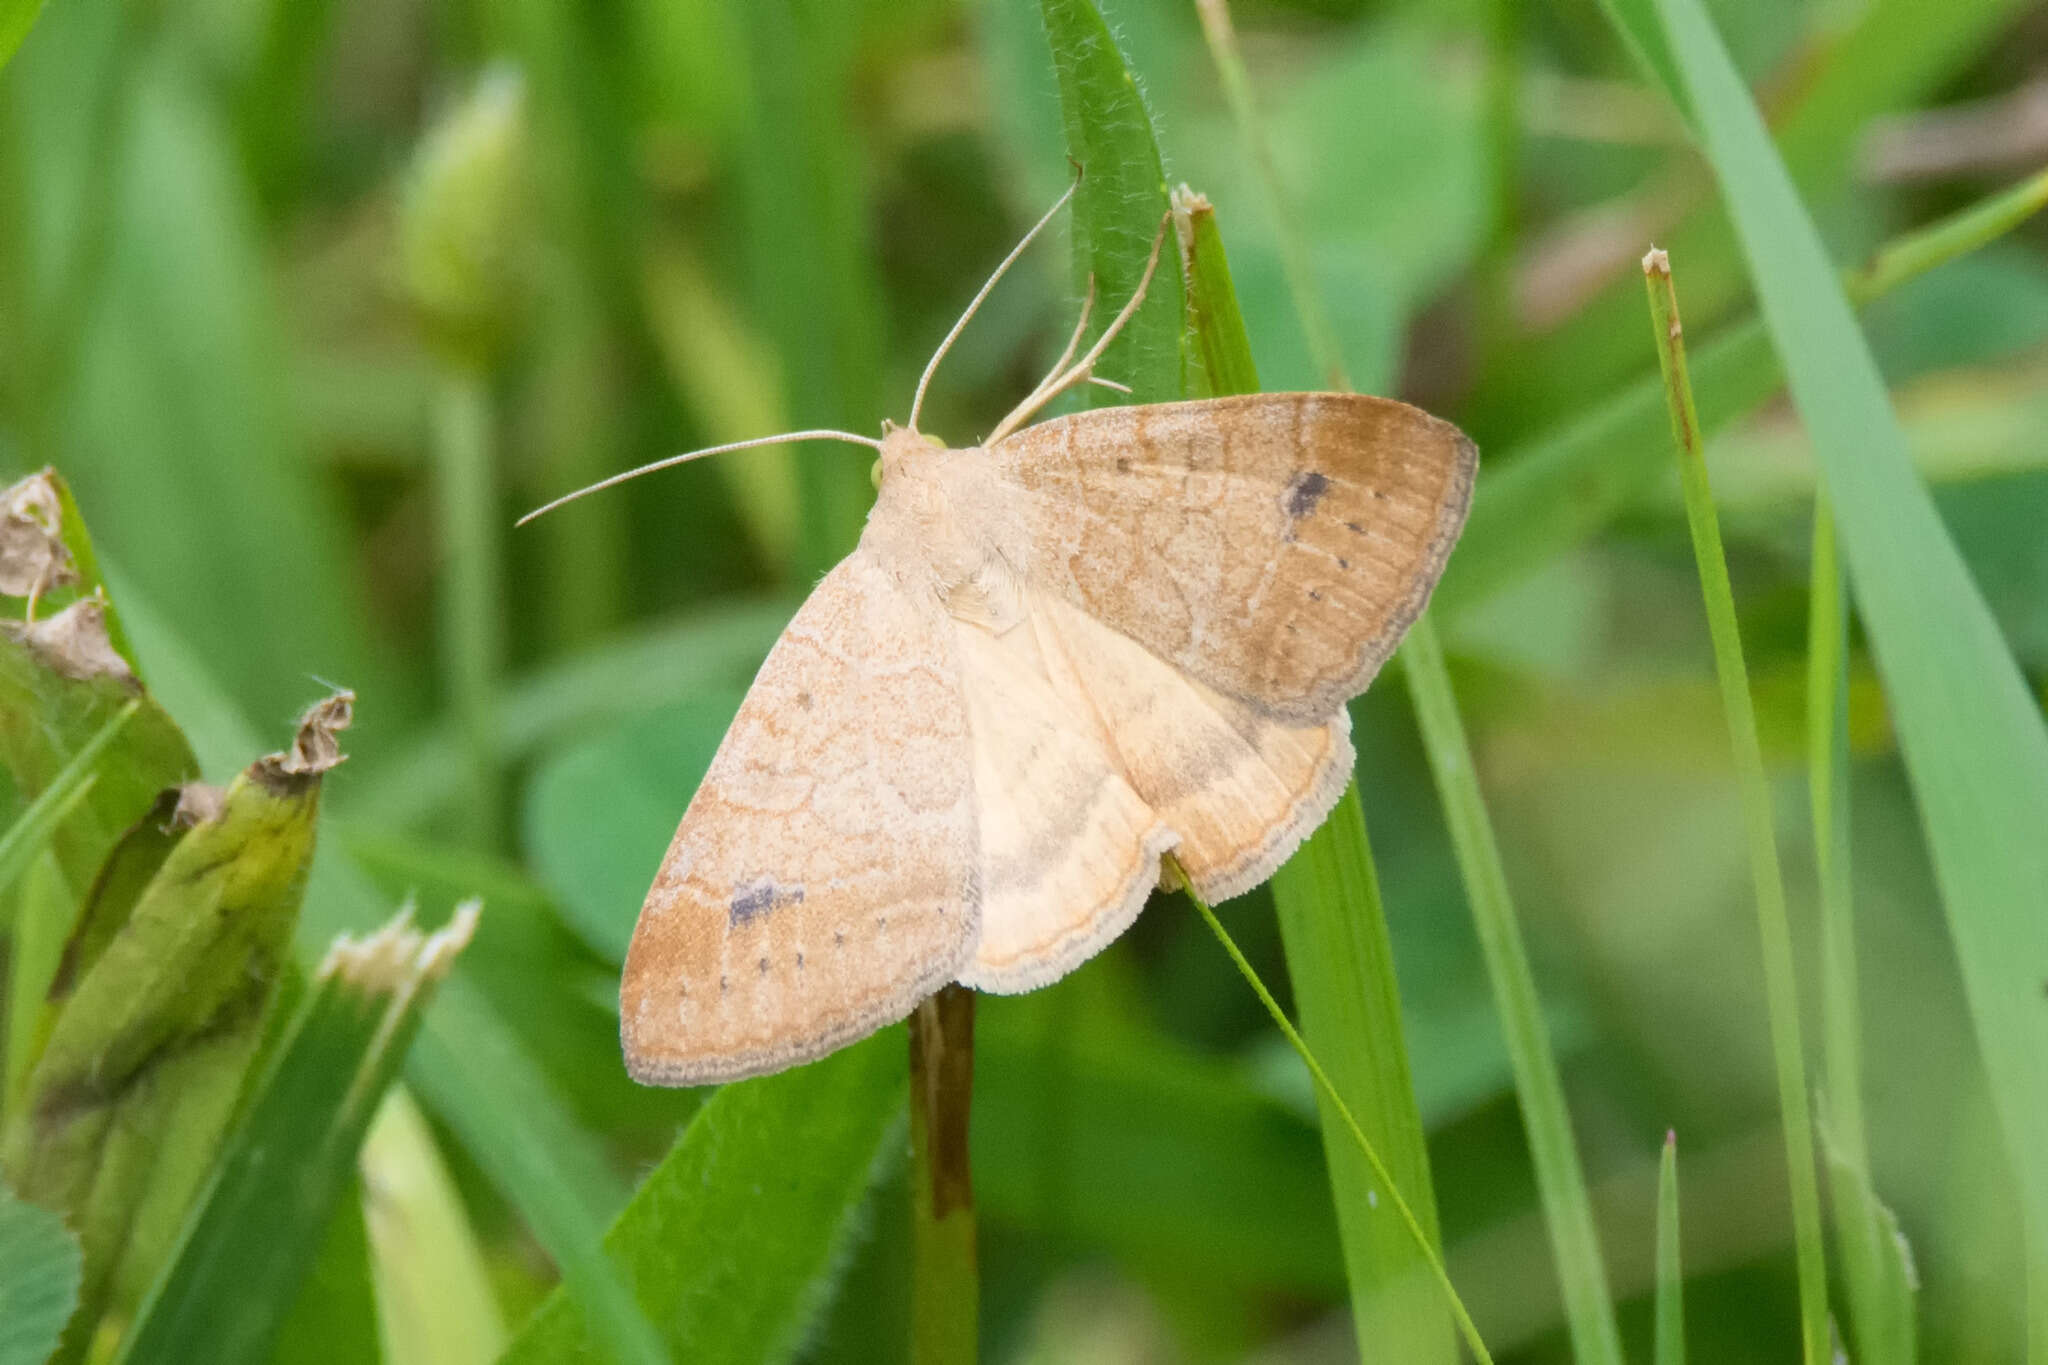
x=466, y=1064
x=1120, y=205
x=1970, y=731
x=39, y=1274
x=335, y=1315
x=732, y=1243
x=121, y=1115
x=60, y=684
x=256, y=1229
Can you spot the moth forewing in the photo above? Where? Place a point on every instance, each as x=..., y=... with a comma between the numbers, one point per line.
x=1273, y=546
x=826, y=875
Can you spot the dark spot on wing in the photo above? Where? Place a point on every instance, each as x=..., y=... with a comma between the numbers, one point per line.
x=1314, y=596
x=803, y=700
x=1343, y=563
x=1123, y=464
x=723, y=985
x=1304, y=492
x=751, y=902
x=764, y=966
x=799, y=961
x=1354, y=528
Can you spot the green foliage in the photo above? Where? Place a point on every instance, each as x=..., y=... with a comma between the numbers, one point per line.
x=1970, y=731
x=302, y=455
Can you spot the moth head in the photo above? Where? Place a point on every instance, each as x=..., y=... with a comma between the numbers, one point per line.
x=901, y=445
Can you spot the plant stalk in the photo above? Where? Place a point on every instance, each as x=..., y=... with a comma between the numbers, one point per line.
x=945, y=1285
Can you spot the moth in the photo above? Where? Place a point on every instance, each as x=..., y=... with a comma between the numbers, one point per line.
x=1053, y=658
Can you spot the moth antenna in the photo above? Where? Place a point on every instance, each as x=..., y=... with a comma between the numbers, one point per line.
x=1124, y=389
x=1046, y=392
x=924, y=380
x=1073, y=341
x=784, y=439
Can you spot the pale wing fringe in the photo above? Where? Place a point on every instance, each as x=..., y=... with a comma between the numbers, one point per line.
x=825, y=878
x=1273, y=546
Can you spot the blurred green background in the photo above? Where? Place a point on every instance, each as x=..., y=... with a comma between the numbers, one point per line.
x=310, y=300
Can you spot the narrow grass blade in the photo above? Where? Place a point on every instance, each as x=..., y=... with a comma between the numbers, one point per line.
x=1554, y=492
x=1121, y=202
x=39, y=1273
x=1780, y=983
x=1670, y=1302
x=1539, y=1088
x=1220, y=347
x=945, y=1287
x=730, y=1244
x=1420, y=1237
x=1875, y=1276
x=258, y=1225
x=1334, y=930
x=17, y=17
x=1970, y=730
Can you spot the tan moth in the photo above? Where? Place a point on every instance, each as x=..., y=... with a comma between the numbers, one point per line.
x=1052, y=658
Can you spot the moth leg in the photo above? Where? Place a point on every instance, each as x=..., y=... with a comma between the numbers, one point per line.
x=1054, y=387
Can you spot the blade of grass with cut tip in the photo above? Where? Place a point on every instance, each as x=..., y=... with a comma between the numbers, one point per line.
x=1551, y=494
x=1669, y=1327
x=1781, y=985
x=731, y=1243
x=259, y=1223
x=1333, y=930
x=1969, y=728
x=1120, y=203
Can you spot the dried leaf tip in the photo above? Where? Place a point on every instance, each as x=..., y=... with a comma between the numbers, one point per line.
x=1657, y=261
x=74, y=642
x=315, y=748
x=398, y=955
x=33, y=556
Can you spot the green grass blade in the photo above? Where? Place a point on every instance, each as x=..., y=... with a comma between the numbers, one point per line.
x=1670, y=1303
x=472, y=597
x=1120, y=204
x=731, y=1243
x=1419, y=1236
x=260, y=1222
x=17, y=17
x=1780, y=984
x=1554, y=492
x=39, y=1274
x=1334, y=930
x=1827, y=776
x=1970, y=731
x=1539, y=1088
